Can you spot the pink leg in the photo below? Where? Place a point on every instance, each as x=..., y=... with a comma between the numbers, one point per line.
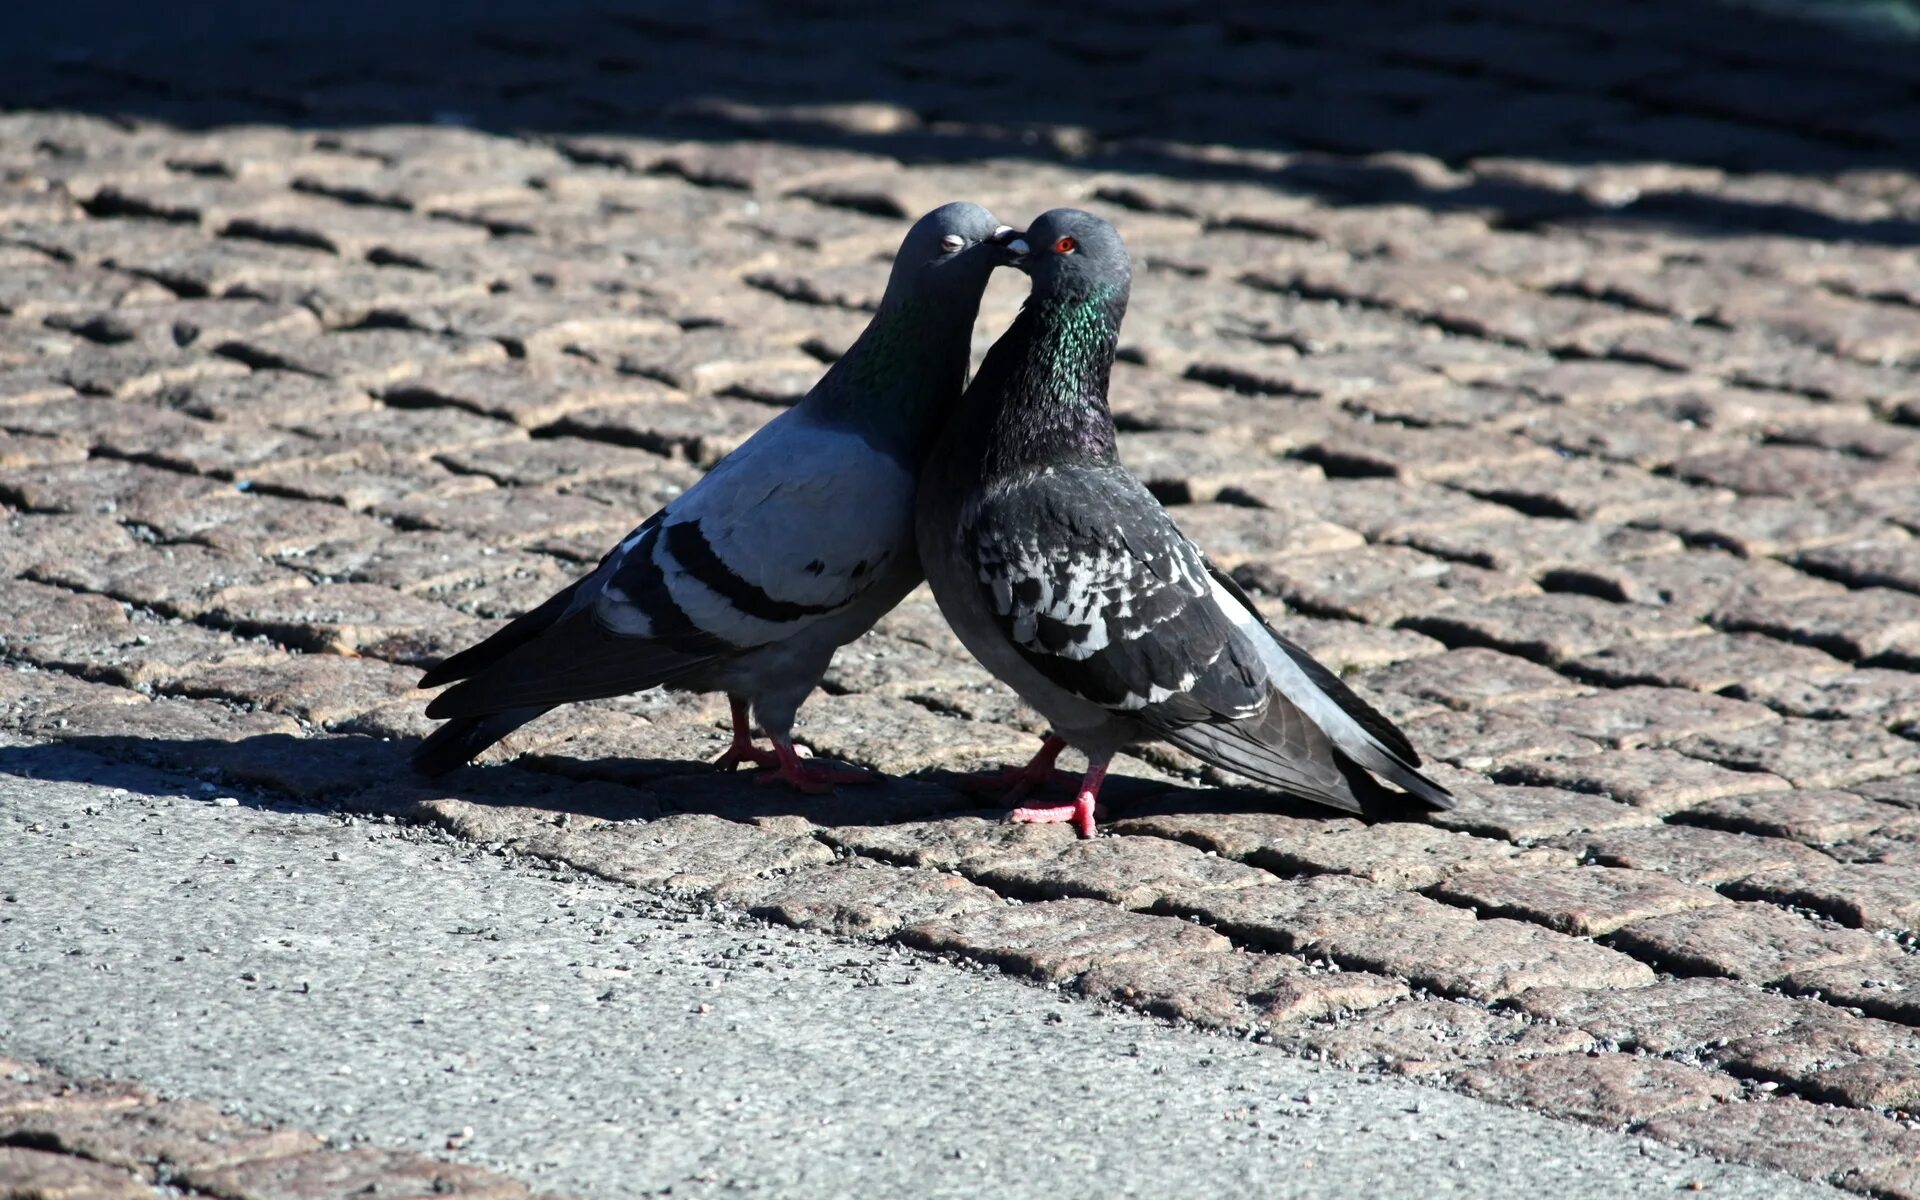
x=1014, y=784
x=1080, y=812
x=805, y=775
x=743, y=750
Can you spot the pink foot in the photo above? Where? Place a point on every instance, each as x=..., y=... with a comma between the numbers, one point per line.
x=805, y=775
x=1080, y=813
x=744, y=752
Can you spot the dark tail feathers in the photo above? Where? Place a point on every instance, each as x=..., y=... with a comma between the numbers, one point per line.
x=510, y=637
x=462, y=739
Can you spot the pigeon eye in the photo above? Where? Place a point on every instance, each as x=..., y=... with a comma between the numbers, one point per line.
x=952, y=242
x=1065, y=245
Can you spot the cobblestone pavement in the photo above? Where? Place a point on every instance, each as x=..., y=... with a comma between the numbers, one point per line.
x=386, y=986
x=1553, y=373
x=102, y=1139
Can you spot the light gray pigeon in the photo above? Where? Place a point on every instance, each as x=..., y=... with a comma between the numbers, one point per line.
x=1068, y=580
x=791, y=547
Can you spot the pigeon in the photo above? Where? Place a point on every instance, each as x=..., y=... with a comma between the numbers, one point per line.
x=1066, y=578
x=791, y=547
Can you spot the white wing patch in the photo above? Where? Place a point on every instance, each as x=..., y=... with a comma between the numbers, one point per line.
x=1157, y=694
x=796, y=523
x=1094, y=594
x=798, y=494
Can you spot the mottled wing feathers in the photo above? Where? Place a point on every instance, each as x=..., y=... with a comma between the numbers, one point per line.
x=1105, y=599
x=1099, y=591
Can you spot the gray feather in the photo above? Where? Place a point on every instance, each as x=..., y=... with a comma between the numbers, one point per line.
x=575, y=659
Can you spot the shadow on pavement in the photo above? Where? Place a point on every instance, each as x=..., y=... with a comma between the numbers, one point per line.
x=371, y=775
x=1478, y=105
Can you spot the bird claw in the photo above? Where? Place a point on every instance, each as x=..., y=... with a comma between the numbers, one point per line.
x=813, y=778
x=744, y=752
x=1079, y=814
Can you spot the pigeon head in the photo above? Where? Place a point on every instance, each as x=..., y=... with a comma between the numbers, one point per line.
x=908, y=366
x=949, y=253
x=1070, y=253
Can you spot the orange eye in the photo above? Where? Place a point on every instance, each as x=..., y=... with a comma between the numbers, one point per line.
x=1065, y=246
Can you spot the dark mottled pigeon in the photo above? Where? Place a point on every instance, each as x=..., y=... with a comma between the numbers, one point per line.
x=791, y=547
x=1068, y=580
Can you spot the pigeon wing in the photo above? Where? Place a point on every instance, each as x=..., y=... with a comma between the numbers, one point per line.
x=777, y=537
x=1097, y=589
x=1092, y=584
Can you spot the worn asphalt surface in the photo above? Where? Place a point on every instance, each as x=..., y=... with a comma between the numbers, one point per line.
x=381, y=982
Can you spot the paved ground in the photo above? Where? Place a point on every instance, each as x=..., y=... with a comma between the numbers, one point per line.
x=386, y=984
x=1553, y=373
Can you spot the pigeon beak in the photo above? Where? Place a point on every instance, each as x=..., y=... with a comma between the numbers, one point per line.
x=1013, y=241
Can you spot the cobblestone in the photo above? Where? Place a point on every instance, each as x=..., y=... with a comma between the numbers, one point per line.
x=1866, y=624
x=1525, y=814
x=1060, y=939
x=1814, y=818
x=1810, y=754
x=1697, y=585
x=1604, y=1089
x=1696, y=855
x=1893, y=564
x=1628, y=718
x=1473, y=677
x=1887, y=698
x=1432, y=946
x=1583, y=489
x=38, y=1173
x=1554, y=628
x=62, y=1137
x=344, y=1172
x=1749, y=941
x=1587, y=903
x=1886, y=986
x=1594, y=471
x=1379, y=584
x=844, y=899
x=1540, y=545
x=1425, y=1037
x=1663, y=781
x=1237, y=991
x=1490, y=739
x=1746, y=665
x=1809, y=1140
x=1864, y=895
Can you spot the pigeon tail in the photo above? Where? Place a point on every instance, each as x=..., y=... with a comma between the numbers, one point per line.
x=1412, y=784
x=1358, y=733
x=574, y=659
x=1280, y=748
x=461, y=740
x=504, y=641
